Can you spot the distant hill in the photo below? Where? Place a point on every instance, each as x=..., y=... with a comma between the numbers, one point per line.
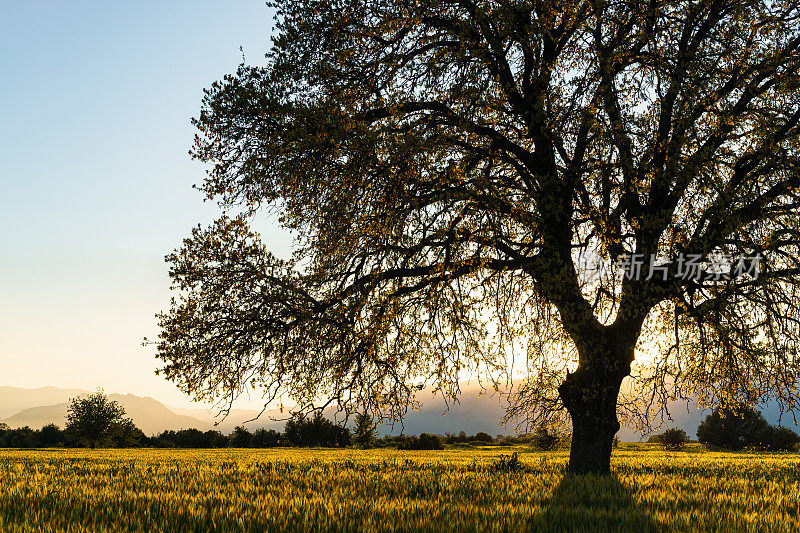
x=153, y=416
x=36, y=417
x=148, y=414
x=476, y=411
x=36, y=407
x=237, y=417
x=16, y=399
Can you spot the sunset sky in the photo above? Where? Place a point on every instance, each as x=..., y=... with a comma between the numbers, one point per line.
x=96, y=180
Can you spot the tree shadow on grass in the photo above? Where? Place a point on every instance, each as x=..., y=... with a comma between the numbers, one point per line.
x=592, y=503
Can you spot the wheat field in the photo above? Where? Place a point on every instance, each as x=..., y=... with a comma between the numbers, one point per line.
x=457, y=489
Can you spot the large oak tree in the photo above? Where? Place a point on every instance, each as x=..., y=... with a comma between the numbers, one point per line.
x=446, y=165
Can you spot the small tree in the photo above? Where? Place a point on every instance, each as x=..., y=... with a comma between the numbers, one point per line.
x=673, y=439
x=425, y=441
x=316, y=431
x=544, y=439
x=190, y=438
x=50, y=435
x=240, y=438
x=215, y=439
x=784, y=439
x=734, y=428
x=91, y=420
x=265, y=438
x=125, y=434
x=365, y=434
x=482, y=436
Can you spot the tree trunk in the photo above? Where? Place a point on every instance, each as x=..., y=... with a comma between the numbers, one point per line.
x=590, y=396
x=592, y=440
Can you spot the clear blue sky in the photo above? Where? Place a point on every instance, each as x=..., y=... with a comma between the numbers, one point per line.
x=96, y=180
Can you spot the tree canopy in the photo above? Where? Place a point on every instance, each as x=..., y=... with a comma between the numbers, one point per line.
x=739, y=426
x=448, y=166
x=94, y=420
x=364, y=433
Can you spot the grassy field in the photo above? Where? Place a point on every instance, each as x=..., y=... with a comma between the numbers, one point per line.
x=458, y=489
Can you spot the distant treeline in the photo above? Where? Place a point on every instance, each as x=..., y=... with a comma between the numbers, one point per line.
x=736, y=427
x=298, y=432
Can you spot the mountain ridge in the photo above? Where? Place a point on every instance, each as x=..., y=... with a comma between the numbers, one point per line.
x=473, y=413
x=477, y=410
x=150, y=415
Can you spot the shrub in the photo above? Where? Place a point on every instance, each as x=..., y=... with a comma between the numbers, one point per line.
x=461, y=438
x=190, y=438
x=510, y=440
x=215, y=439
x=406, y=442
x=673, y=439
x=482, y=437
x=23, y=437
x=430, y=442
x=425, y=441
x=783, y=439
x=545, y=438
x=507, y=463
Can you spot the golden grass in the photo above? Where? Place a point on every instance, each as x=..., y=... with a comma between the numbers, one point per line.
x=389, y=490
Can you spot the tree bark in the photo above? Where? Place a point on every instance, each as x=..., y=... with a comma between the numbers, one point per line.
x=592, y=441
x=590, y=396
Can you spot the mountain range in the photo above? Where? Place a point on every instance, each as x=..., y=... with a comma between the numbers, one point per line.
x=476, y=411
x=36, y=407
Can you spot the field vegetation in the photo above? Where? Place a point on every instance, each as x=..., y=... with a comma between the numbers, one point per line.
x=460, y=488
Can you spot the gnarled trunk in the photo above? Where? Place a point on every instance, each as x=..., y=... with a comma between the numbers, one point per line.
x=593, y=430
x=590, y=396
